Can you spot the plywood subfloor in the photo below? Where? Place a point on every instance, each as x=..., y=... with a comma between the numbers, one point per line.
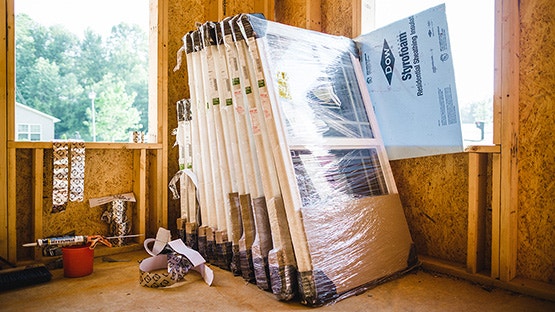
x=114, y=286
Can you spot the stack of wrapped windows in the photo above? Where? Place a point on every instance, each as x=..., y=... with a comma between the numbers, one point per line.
x=293, y=188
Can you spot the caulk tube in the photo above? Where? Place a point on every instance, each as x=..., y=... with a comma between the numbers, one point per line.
x=62, y=241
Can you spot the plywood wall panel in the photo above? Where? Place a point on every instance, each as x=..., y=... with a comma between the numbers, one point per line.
x=24, y=203
x=291, y=12
x=337, y=17
x=434, y=193
x=107, y=172
x=237, y=7
x=536, y=166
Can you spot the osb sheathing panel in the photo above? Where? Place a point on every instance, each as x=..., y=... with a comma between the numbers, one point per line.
x=434, y=193
x=291, y=12
x=24, y=203
x=536, y=165
x=107, y=172
x=232, y=8
x=337, y=17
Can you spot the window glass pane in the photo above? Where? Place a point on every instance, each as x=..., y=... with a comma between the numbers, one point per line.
x=471, y=31
x=335, y=174
x=35, y=136
x=22, y=128
x=82, y=67
x=318, y=90
x=35, y=128
x=23, y=136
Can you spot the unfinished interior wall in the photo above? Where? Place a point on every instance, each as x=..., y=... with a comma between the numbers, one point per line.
x=536, y=154
x=107, y=172
x=337, y=17
x=434, y=193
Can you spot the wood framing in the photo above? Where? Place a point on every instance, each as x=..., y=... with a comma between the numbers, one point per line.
x=38, y=189
x=3, y=130
x=507, y=97
x=314, y=15
x=161, y=107
x=139, y=188
x=214, y=10
x=266, y=7
x=477, y=187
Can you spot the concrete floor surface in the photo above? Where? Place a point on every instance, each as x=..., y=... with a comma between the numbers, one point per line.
x=114, y=286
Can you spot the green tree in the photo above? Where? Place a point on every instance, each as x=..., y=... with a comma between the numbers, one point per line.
x=127, y=49
x=115, y=116
x=56, y=71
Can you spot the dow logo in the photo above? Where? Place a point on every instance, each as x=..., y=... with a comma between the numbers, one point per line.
x=388, y=61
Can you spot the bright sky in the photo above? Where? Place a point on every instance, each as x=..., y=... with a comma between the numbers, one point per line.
x=76, y=15
x=471, y=35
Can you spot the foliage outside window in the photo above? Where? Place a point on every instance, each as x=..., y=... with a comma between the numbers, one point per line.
x=57, y=71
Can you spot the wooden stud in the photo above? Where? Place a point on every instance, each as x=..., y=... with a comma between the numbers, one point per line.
x=139, y=189
x=509, y=89
x=161, y=177
x=496, y=161
x=488, y=149
x=314, y=15
x=38, y=182
x=356, y=27
x=12, y=206
x=266, y=7
x=477, y=186
x=495, y=213
x=214, y=10
x=4, y=77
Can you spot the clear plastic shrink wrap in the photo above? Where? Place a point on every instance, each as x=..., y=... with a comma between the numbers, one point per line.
x=304, y=119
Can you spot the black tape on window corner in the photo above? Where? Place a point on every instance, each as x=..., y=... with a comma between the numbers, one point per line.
x=260, y=269
x=283, y=282
x=247, y=265
x=235, y=264
x=316, y=289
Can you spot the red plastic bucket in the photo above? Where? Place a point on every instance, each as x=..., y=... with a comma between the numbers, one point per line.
x=78, y=260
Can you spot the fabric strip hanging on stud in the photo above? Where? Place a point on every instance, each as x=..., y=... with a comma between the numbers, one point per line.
x=77, y=184
x=60, y=179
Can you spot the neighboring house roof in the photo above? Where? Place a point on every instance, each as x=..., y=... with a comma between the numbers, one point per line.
x=21, y=106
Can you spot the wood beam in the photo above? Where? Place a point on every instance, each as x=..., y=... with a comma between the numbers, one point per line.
x=12, y=206
x=139, y=189
x=508, y=97
x=477, y=194
x=38, y=189
x=3, y=130
x=266, y=7
x=314, y=15
x=214, y=10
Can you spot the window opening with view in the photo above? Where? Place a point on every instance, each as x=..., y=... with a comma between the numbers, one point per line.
x=84, y=64
x=471, y=30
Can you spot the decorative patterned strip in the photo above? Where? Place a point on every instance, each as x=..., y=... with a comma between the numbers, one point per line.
x=60, y=179
x=77, y=185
